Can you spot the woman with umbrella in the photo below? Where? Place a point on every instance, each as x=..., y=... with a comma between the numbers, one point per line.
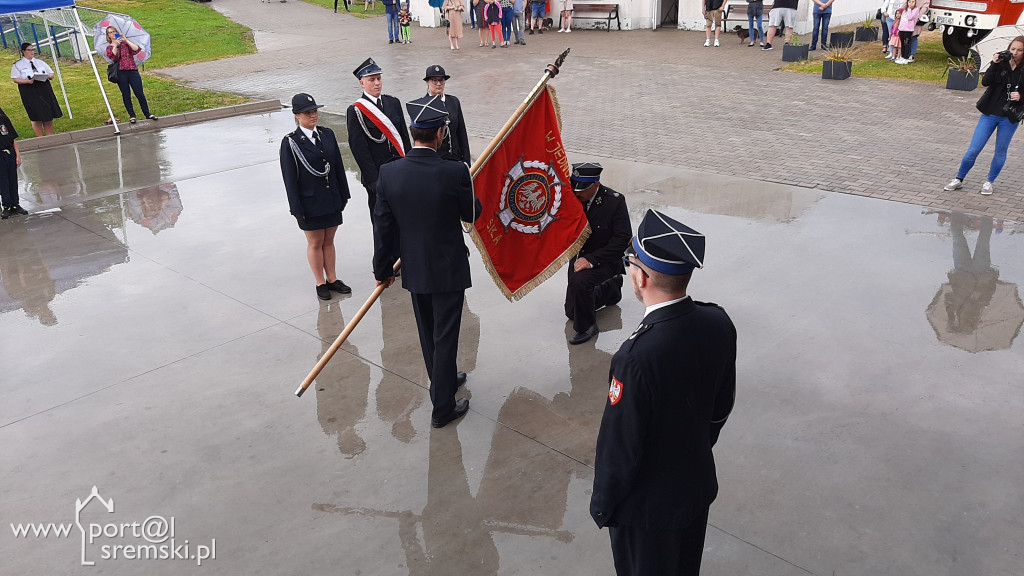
x=33, y=79
x=123, y=51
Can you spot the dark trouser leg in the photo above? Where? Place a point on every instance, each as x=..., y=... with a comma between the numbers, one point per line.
x=371, y=198
x=8, y=180
x=905, y=43
x=126, y=91
x=438, y=318
x=639, y=552
x=579, y=296
x=135, y=81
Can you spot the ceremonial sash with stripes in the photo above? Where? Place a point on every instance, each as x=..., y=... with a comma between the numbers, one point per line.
x=382, y=122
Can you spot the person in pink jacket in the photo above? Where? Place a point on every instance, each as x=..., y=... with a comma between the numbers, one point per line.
x=906, y=28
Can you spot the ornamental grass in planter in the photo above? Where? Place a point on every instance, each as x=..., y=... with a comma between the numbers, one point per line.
x=962, y=74
x=838, y=63
x=867, y=32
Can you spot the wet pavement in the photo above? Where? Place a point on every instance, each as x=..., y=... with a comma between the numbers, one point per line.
x=157, y=313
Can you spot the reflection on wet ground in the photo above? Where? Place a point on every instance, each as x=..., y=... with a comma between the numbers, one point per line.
x=160, y=312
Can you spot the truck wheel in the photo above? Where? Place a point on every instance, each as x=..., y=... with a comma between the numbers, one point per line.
x=958, y=44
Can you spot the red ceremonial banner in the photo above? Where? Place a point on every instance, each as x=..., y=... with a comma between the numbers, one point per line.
x=531, y=223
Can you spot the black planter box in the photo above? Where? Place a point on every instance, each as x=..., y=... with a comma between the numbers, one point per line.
x=834, y=70
x=866, y=34
x=794, y=53
x=959, y=80
x=840, y=39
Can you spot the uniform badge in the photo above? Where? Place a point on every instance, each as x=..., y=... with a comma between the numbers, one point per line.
x=3, y=130
x=530, y=196
x=615, y=391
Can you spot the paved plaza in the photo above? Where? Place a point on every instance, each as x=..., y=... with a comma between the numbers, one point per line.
x=157, y=314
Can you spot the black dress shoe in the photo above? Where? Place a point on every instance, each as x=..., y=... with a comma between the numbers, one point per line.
x=339, y=286
x=461, y=407
x=17, y=209
x=460, y=379
x=584, y=336
x=322, y=292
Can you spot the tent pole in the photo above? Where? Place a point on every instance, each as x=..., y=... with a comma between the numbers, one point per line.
x=56, y=64
x=81, y=28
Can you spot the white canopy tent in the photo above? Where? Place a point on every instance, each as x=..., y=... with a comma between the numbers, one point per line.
x=62, y=12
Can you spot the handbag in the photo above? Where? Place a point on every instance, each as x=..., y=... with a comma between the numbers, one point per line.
x=878, y=15
x=112, y=72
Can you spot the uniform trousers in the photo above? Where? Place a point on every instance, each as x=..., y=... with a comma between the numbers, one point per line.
x=438, y=319
x=580, y=304
x=8, y=179
x=641, y=552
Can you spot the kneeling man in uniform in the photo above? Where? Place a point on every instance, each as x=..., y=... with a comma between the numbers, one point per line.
x=595, y=274
x=673, y=383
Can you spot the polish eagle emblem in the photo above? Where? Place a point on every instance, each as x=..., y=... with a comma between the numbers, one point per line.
x=530, y=196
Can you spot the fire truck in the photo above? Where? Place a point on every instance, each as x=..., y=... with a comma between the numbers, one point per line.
x=964, y=22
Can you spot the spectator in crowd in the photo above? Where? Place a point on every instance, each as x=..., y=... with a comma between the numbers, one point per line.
x=371, y=4
x=405, y=20
x=391, y=13
x=537, y=8
x=33, y=79
x=906, y=29
x=922, y=19
x=894, y=36
x=713, y=16
x=481, y=24
x=783, y=14
x=518, y=21
x=123, y=51
x=888, y=10
x=566, y=16
x=506, y=22
x=755, y=9
x=452, y=10
x=492, y=15
x=822, y=16
x=1001, y=109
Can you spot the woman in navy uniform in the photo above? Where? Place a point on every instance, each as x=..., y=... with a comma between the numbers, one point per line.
x=672, y=386
x=422, y=200
x=314, y=178
x=456, y=140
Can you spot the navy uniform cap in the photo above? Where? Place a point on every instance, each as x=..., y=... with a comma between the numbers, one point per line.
x=427, y=112
x=667, y=246
x=367, y=68
x=584, y=174
x=435, y=71
x=303, y=102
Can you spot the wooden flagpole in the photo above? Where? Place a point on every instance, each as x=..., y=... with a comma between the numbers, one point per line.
x=550, y=71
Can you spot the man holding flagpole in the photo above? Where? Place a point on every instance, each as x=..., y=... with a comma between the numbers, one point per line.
x=422, y=199
x=376, y=128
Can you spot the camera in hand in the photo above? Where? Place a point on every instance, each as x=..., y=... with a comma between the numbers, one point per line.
x=1005, y=56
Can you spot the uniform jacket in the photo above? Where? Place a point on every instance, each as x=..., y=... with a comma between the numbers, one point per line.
x=370, y=155
x=421, y=201
x=456, y=143
x=654, y=468
x=310, y=195
x=610, y=230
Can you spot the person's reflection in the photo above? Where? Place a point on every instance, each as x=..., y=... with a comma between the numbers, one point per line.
x=456, y=539
x=342, y=386
x=26, y=277
x=972, y=281
x=155, y=207
x=53, y=175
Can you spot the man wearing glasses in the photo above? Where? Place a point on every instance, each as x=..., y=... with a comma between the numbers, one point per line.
x=595, y=274
x=421, y=201
x=673, y=384
x=456, y=142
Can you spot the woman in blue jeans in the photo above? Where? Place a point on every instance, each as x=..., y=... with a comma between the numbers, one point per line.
x=822, y=16
x=1003, y=80
x=755, y=9
x=506, y=22
x=123, y=51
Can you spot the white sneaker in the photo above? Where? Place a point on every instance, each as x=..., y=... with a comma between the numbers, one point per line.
x=986, y=188
x=888, y=57
x=567, y=30
x=716, y=43
x=707, y=43
x=911, y=59
x=954, y=184
x=560, y=30
x=901, y=61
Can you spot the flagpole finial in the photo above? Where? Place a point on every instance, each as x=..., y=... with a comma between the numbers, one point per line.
x=552, y=69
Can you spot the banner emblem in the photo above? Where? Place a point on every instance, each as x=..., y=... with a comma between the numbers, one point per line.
x=530, y=197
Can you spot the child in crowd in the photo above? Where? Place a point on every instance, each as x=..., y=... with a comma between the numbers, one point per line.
x=405, y=20
x=906, y=27
x=492, y=15
x=10, y=160
x=894, y=37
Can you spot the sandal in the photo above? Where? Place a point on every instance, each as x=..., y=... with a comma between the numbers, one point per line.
x=108, y=121
x=132, y=120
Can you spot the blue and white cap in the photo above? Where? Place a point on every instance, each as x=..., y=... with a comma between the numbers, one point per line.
x=667, y=246
x=584, y=174
x=367, y=68
x=427, y=112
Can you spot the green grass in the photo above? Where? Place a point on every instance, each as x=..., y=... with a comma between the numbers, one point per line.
x=183, y=32
x=355, y=8
x=869, y=62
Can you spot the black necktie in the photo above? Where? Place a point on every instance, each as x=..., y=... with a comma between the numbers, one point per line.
x=316, y=140
x=380, y=104
x=34, y=69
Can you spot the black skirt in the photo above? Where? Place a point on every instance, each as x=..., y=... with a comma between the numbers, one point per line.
x=40, y=102
x=322, y=222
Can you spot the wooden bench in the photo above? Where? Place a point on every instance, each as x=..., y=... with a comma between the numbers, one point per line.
x=737, y=12
x=594, y=11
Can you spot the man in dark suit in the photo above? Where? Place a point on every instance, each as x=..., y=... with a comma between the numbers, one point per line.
x=673, y=384
x=456, y=141
x=595, y=274
x=421, y=201
x=376, y=128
